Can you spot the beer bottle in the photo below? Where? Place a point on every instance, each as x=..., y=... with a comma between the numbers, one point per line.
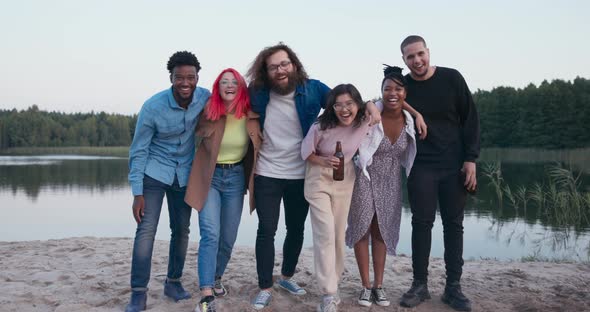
x=338, y=174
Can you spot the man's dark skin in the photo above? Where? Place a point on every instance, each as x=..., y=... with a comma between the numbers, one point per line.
x=184, y=81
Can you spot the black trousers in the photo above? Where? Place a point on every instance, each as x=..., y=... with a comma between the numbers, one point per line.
x=426, y=187
x=267, y=196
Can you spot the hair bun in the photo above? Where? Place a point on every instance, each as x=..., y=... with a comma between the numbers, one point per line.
x=391, y=70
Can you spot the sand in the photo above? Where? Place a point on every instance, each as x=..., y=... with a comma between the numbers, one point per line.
x=92, y=274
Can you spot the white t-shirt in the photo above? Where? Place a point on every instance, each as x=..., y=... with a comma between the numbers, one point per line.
x=280, y=154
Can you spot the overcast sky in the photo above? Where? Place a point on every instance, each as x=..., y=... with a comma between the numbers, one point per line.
x=78, y=56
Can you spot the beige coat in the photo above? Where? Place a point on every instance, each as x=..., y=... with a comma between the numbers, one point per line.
x=211, y=133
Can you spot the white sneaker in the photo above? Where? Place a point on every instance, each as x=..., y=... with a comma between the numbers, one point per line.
x=328, y=304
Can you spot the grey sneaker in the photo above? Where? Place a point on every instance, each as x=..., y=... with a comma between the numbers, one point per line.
x=219, y=290
x=366, y=297
x=291, y=286
x=328, y=304
x=206, y=304
x=262, y=300
x=380, y=298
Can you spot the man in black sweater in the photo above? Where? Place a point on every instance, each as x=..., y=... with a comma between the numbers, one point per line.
x=444, y=169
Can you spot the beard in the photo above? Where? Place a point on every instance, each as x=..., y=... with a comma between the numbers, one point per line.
x=285, y=89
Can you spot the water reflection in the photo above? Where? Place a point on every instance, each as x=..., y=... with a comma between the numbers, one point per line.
x=32, y=174
x=72, y=196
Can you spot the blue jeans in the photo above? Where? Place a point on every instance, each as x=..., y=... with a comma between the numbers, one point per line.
x=180, y=215
x=218, y=223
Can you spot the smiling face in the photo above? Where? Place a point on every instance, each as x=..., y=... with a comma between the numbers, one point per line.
x=184, y=82
x=228, y=88
x=281, y=72
x=393, y=95
x=417, y=57
x=345, y=109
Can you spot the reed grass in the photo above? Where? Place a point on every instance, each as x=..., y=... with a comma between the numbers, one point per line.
x=560, y=199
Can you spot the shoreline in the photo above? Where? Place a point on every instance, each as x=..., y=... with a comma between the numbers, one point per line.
x=92, y=274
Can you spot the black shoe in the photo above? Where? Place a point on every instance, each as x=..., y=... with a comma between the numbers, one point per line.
x=174, y=290
x=453, y=296
x=416, y=295
x=207, y=304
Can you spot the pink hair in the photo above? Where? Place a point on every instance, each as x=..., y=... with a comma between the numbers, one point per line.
x=239, y=106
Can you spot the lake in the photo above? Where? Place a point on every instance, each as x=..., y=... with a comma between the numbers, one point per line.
x=57, y=196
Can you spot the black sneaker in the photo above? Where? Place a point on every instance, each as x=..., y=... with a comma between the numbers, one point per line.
x=416, y=295
x=379, y=297
x=366, y=297
x=453, y=296
x=207, y=304
x=218, y=289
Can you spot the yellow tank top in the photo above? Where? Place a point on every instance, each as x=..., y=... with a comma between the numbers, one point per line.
x=234, y=143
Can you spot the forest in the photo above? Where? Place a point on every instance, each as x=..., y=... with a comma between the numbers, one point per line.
x=553, y=115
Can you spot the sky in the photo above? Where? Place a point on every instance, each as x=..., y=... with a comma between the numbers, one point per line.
x=81, y=56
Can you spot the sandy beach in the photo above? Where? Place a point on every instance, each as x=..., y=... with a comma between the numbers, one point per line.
x=92, y=274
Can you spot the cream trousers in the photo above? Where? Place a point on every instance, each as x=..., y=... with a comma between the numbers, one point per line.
x=329, y=202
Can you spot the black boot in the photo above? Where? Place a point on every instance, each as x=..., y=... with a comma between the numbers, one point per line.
x=416, y=295
x=137, y=302
x=454, y=297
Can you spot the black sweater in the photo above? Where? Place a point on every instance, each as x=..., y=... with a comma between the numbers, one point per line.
x=445, y=102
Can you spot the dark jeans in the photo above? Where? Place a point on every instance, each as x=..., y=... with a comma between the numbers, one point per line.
x=180, y=215
x=267, y=196
x=426, y=186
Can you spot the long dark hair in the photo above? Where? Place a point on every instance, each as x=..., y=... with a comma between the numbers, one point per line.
x=258, y=74
x=328, y=118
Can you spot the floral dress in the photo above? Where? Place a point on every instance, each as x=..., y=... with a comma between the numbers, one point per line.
x=382, y=195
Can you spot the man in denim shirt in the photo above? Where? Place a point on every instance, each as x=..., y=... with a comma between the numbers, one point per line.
x=288, y=103
x=160, y=159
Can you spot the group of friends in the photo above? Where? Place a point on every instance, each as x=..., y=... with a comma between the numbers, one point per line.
x=266, y=139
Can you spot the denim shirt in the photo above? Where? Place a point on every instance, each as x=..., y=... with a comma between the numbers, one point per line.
x=310, y=98
x=164, y=142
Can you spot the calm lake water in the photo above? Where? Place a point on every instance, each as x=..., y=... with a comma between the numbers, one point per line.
x=51, y=197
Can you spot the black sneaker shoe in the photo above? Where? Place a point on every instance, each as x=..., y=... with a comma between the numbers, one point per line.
x=453, y=296
x=207, y=304
x=416, y=295
x=366, y=297
x=379, y=297
x=218, y=289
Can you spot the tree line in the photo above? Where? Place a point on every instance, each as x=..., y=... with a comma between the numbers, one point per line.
x=553, y=115
x=35, y=128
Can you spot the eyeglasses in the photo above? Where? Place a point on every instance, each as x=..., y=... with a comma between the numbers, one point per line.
x=274, y=68
x=341, y=106
x=226, y=82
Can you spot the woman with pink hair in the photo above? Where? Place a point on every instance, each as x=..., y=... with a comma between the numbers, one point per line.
x=220, y=174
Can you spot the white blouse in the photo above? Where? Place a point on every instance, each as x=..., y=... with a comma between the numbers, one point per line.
x=371, y=142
